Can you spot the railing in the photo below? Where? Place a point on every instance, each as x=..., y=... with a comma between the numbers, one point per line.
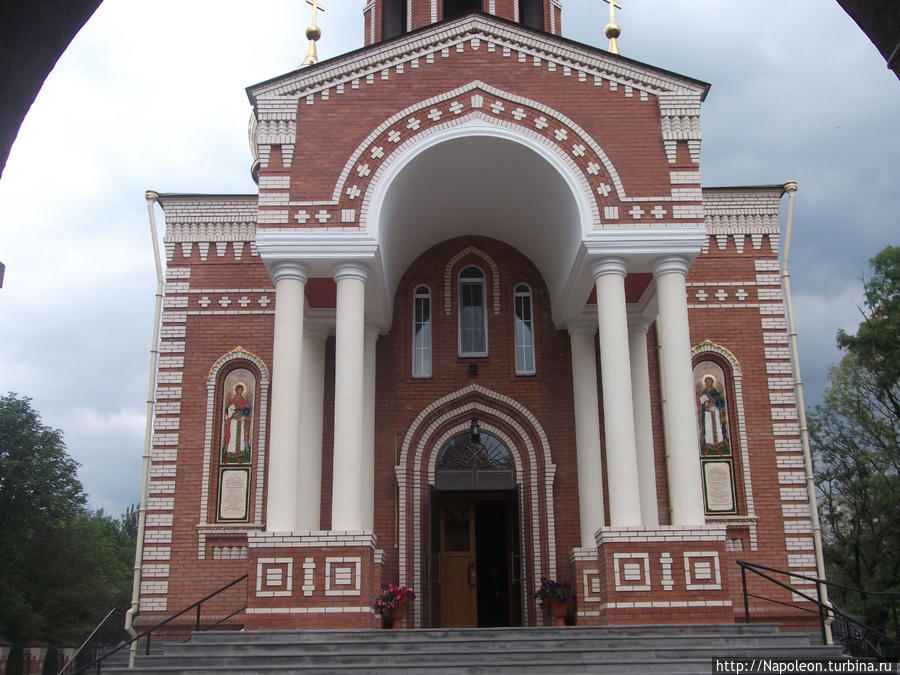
x=858, y=639
x=98, y=662
x=102, y=633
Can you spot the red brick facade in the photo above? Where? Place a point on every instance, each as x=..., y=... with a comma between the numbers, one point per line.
x=616, y=145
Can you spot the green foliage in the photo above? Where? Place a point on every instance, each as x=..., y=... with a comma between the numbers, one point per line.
x=877, y=341
x=62, y=566
x=855, y=437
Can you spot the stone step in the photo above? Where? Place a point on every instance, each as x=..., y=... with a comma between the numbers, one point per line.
x=605, y=649
x=543, y=644
x=418, y=634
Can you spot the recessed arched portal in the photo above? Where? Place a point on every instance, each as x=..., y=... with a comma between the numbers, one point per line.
x=478, y=178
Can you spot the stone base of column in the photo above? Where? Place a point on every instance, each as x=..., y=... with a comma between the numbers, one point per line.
x=660, y=575
x=587, y=573
x=312, y=580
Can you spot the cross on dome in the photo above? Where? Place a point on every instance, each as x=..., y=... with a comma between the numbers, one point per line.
x=613, y=30
x=313, y=33
x=317, y=6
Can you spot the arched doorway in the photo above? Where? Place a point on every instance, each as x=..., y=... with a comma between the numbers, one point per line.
x=476, y=557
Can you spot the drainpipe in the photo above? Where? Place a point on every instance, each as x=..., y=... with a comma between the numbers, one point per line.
x=791, y=188
x=152, y=198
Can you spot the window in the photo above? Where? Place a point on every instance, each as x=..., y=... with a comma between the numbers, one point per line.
x=393, y=20
x=472, y=314
x=454, y=7
x=524, y=331
x=421, y=352
x=531, y=13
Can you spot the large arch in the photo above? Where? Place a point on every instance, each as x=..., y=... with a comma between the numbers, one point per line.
x=477, y=176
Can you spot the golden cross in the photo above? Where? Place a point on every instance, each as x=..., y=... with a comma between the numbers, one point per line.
x=316, y=6
x=612, y=9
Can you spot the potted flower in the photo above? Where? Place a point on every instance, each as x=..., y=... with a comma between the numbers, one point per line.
x=391, y=600
x=554, y=594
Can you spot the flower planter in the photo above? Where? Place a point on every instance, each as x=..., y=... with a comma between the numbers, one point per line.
x=397, y=615
x=558, y=611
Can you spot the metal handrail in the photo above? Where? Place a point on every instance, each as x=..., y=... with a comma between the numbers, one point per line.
x=90, y=637
x=827, y=612
x=99, y=660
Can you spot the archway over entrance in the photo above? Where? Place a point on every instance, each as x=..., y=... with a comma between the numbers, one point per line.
x=480, y=179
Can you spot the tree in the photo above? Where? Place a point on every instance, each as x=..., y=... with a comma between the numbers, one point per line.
x=62, y=566
x=877, y=341
x=39, y=490
x=855, y=435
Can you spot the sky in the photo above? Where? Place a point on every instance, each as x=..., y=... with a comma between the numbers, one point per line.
x=151, y=95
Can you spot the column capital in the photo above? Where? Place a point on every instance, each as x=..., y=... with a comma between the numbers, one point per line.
x=348, y=269
x=316, y=328
x=639, y=322
x=288, y=269
x=609, y=265
x=577, y=326
x=668, y=264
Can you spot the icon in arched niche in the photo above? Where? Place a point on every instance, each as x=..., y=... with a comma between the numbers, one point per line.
x=712, y=410
x=237, y=418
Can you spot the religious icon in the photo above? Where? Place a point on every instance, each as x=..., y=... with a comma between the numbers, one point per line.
x=713, y=417
x=237, y=427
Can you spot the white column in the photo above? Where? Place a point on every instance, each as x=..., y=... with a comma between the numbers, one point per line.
x=284, y=428
x=587, y=432
x=638, y=328
x=682, y=454
x=615, y=374
x=312, y=404
x=368, y=431
x=346, y=497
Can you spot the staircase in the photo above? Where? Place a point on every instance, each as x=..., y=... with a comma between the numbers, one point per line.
x=605, y=649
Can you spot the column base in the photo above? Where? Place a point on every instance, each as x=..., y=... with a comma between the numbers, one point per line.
x=312, y=580
x=655, y=576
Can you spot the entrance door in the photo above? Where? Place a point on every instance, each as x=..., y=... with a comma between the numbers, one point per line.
x=458, y=586
x=476, y=560
x=474, y=577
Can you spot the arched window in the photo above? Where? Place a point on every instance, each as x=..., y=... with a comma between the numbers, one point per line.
x=421, y=344
x=524, y=331
x=531, y=13
x=393, y=19
x=472, y=314
x=475, y=460
x=455, y=7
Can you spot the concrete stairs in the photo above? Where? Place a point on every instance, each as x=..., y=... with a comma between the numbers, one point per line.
x=606, y=649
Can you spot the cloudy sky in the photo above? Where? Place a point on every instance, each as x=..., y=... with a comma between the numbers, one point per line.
x=150, y=95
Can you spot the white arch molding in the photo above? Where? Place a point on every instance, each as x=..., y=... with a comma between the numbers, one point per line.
x=539, y=473
x=698, y=352
x=204, y=526
x=546, y=220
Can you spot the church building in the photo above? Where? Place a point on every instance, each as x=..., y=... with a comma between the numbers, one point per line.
x=480, y=325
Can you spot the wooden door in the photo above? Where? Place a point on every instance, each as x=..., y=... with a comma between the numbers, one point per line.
x=459, y=591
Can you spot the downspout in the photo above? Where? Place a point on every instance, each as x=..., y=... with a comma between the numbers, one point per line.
x=132, y=612
x=791, y=188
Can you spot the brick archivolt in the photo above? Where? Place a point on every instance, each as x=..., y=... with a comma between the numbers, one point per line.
x=523, y=434
x=402, y=135
x=448, y=277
